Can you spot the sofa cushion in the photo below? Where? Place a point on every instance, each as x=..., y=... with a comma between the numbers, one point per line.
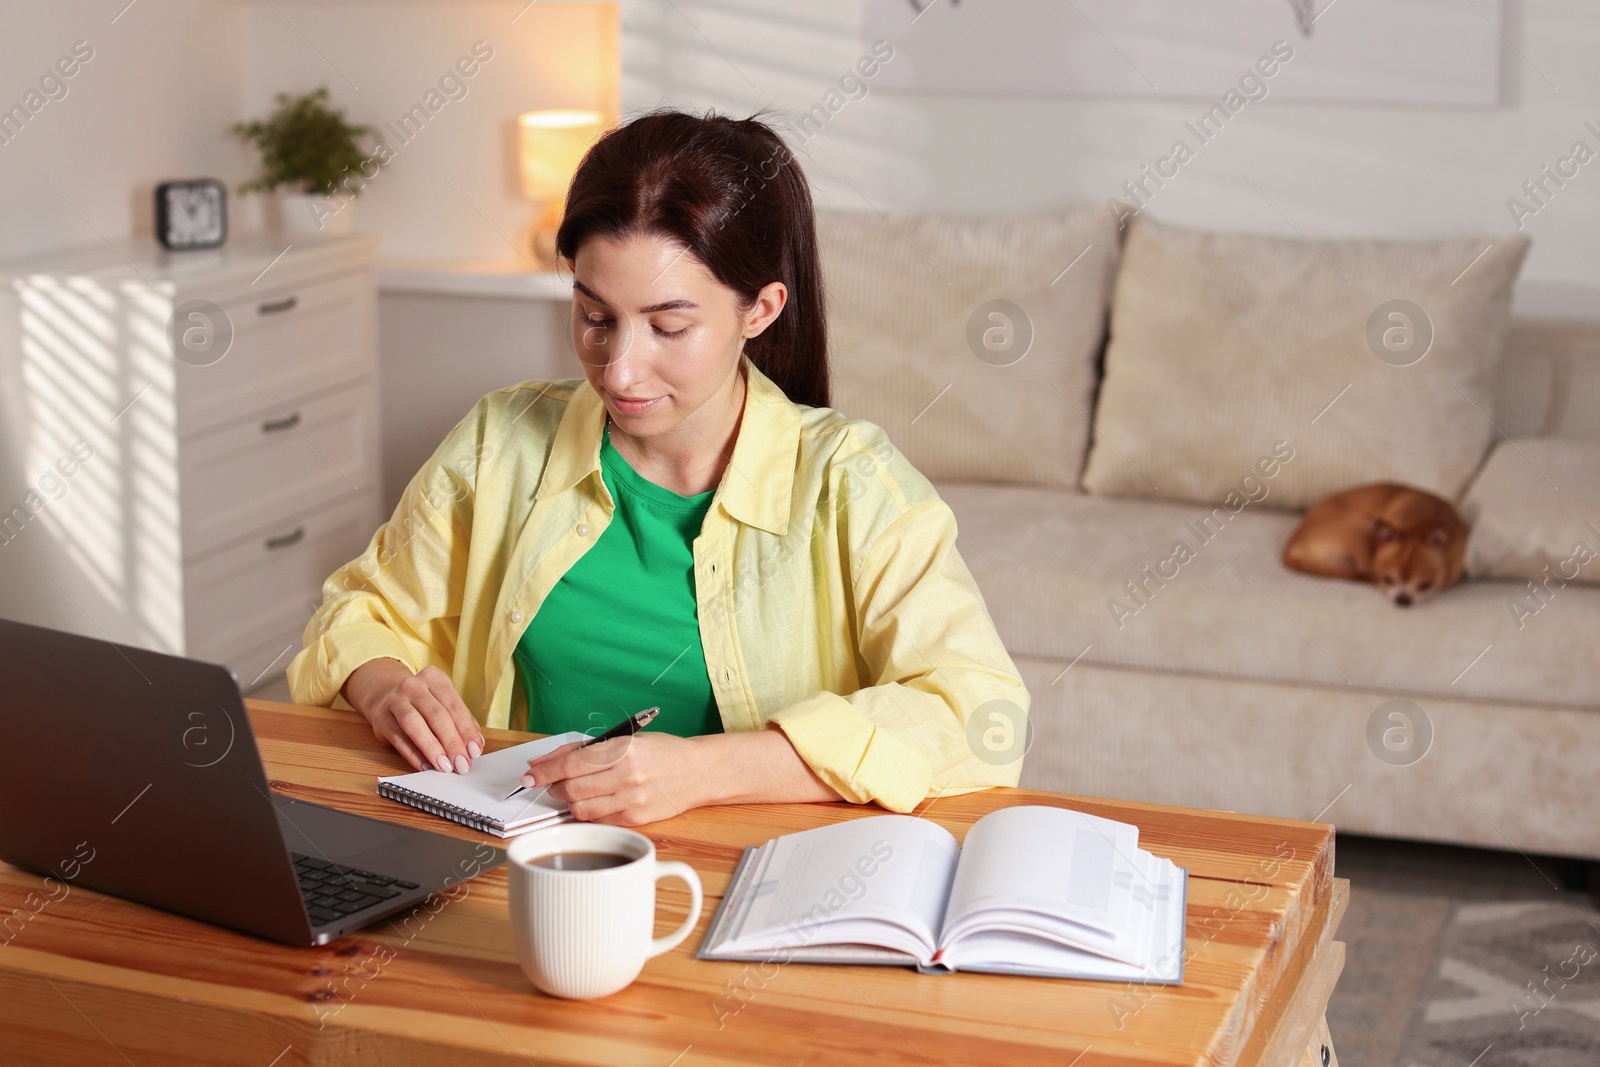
x=973, y=341
x=1549, y=381
x=1224, y=344
x=1536, y=505
x=1064, y=575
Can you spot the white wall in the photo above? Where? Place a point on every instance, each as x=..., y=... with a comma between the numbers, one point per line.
x=1330, y=170
x=451, y=192
x=168, y=77
x=153, y=103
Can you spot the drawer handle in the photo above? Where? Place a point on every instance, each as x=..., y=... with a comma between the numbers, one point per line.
x=285, y=540
x=274, y=425
x=277, y=307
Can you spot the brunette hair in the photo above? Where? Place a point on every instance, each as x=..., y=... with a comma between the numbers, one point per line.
x=729, y=192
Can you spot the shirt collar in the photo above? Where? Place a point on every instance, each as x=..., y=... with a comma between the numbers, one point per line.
x=758, y=484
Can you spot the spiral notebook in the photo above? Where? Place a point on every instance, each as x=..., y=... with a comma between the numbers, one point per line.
x=478, y=798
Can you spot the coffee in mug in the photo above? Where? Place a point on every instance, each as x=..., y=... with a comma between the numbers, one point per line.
x=583, y=906
x=580, y=861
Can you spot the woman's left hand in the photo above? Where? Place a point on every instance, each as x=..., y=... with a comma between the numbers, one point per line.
x=626, y=781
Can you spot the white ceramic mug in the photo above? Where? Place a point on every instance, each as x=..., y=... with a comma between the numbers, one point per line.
x=582, y=934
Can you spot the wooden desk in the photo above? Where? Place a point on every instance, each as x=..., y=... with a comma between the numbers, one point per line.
x=90, y=979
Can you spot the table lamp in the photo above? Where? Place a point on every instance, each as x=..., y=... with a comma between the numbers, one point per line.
x=551, y=144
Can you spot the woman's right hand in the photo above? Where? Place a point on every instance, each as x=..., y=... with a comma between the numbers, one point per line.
x=420, y=714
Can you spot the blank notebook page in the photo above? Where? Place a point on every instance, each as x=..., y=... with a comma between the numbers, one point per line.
x=482, y=790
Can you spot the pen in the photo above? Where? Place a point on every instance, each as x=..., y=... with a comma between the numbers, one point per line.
x=627, y=727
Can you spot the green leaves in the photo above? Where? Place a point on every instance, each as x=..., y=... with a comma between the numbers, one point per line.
x=304, y=144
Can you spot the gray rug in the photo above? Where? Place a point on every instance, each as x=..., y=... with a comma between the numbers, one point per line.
x=1431, y=981
x=1513, y=984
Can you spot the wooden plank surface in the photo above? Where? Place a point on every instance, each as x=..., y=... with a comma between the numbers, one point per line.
x=92, y=979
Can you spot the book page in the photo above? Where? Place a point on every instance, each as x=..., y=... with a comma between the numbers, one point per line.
x=863, y=879
x=1055, y=860
x=996, y=943
x=483, y=789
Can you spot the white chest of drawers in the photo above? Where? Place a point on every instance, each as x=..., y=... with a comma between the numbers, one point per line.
x=188, y=441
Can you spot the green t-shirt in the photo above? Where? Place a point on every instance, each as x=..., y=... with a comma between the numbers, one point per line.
x=619, y=632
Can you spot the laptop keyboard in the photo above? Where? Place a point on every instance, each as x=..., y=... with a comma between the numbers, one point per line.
x=333, y=891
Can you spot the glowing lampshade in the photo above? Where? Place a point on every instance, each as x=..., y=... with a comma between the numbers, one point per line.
x=551, y=145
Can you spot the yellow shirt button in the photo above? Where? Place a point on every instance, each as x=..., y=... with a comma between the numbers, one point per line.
x=516, y=616
x=583, y=529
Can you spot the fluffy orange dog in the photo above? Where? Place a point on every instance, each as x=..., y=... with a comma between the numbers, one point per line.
x=1409, y=543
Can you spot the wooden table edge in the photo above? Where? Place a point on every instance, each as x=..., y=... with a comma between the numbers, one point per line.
x=1301, y=998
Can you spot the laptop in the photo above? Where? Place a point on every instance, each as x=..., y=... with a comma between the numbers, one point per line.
x=136, y=773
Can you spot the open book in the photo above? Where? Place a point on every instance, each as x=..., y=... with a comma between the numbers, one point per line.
x=478, y=798
x=1036, y=890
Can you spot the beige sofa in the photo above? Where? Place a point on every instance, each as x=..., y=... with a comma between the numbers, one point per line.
x=1237, y=684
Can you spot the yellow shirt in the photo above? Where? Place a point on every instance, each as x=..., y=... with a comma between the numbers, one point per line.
x=831, y=599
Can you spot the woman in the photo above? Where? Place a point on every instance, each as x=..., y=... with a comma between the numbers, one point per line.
x=689, y=525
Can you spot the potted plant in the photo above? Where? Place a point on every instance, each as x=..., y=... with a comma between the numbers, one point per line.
x=306, y=149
